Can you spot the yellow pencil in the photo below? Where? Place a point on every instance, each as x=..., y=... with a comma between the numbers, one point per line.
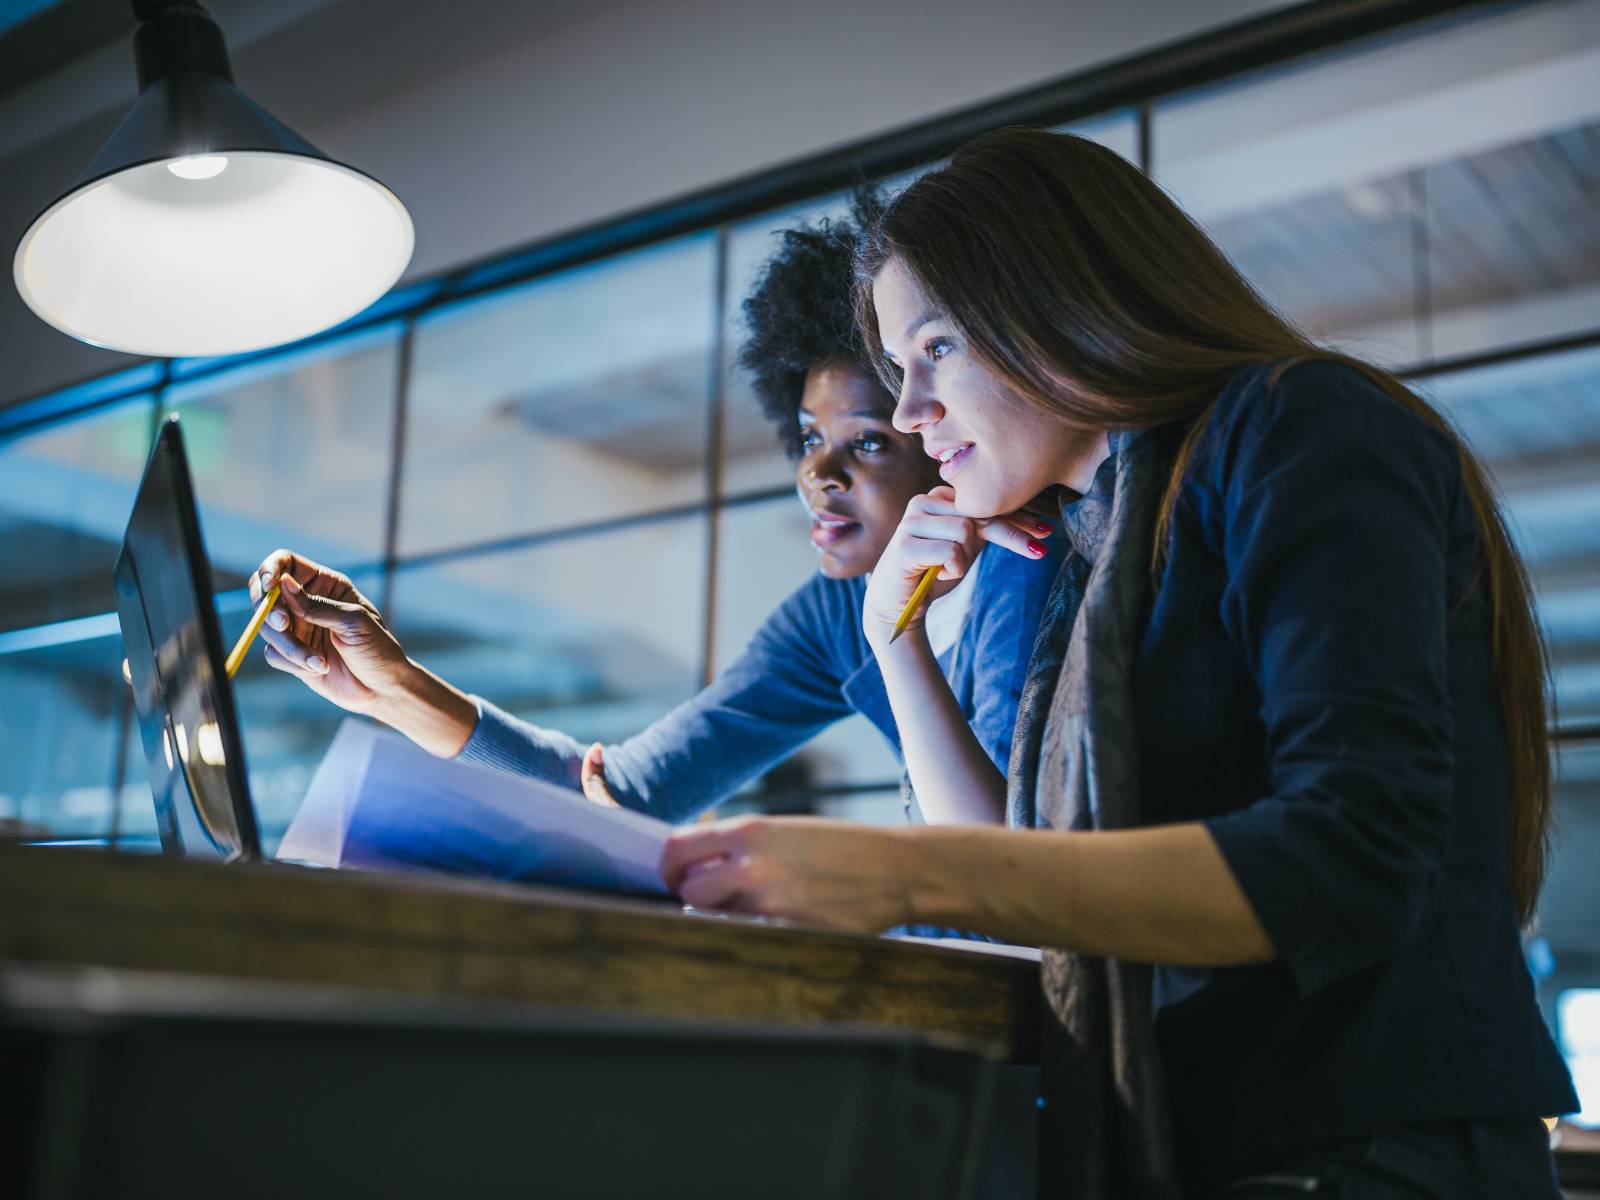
x=236, y=655
x=915, y=602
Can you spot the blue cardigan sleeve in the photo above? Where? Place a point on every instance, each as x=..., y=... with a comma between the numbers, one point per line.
x=781, y=692
x=992, y=658
x=1333, y=506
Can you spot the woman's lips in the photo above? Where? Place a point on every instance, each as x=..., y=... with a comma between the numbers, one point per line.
x=825, y=531
x=949, y=466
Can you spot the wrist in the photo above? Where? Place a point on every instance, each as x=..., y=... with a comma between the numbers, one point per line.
x=438, y=717
x=391, y=700
x=909, y=666
x=884, y=645
x=925, y=884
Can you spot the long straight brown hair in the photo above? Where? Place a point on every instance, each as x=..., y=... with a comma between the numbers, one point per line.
x=1079, y=284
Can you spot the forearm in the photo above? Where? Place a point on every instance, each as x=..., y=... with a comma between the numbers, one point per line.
x=955, y=780
x=1159, y=895
x=693, y=757
x=432, y=713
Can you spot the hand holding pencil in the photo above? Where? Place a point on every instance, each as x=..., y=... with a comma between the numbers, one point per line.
x=318, y=627
x=330, y=637
x=242, y=646
x=931, y=550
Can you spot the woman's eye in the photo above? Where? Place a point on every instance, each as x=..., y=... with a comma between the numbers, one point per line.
x=872, y=443
x=937, y=348
x=810, y=439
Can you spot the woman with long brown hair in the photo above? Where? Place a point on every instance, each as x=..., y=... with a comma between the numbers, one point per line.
x=1279, y=786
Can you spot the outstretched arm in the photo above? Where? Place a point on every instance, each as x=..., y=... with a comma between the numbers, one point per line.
x=776, y=696
x=1150, y=895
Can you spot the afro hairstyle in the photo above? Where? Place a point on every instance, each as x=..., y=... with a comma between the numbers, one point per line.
x=801, y=314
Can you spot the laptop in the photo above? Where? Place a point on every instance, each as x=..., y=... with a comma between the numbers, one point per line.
x=173, y=643
x=401, y=810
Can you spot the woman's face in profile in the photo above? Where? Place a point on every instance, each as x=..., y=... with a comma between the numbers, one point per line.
x=993, y=447
x=856, y=472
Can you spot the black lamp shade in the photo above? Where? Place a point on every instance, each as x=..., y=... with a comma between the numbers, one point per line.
x=206, y=226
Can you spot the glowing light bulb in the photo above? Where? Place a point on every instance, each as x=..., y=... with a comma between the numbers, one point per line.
x=198, y=166
x=181, y=736
x=127, y=673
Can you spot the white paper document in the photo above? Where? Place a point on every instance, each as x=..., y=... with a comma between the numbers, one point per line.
x=379, y=801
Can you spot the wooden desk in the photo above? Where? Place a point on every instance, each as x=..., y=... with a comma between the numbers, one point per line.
x=442, y=937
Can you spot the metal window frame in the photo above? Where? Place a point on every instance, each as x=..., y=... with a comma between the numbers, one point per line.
x=1277, y=40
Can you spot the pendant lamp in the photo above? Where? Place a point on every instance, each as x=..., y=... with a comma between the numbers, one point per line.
x=205, y=226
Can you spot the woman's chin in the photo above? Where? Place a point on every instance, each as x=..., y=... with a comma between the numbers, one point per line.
x=981, y=504
x=842, y=566
x=972, y=505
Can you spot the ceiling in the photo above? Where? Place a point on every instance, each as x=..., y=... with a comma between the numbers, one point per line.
x=38, y=36
x=72, y=62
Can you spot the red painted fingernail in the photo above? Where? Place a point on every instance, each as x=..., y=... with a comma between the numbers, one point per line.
x=1035, y=549
x=1044, y=527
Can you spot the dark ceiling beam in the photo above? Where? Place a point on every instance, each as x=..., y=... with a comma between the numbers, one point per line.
x=54, y=37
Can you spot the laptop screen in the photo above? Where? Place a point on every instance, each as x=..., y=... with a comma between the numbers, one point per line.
x=175, y=664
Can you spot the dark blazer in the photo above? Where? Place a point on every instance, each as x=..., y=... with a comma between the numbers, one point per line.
x=1314, y=685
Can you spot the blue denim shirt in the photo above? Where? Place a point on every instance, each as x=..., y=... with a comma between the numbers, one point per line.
x=808, y=666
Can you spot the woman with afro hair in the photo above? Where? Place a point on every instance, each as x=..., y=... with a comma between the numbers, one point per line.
x=809, y=664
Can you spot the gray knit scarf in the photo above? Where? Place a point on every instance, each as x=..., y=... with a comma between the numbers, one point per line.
x=1103, y=1126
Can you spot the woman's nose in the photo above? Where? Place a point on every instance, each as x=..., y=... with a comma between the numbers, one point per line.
x=825, y=471
x=914, y=409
